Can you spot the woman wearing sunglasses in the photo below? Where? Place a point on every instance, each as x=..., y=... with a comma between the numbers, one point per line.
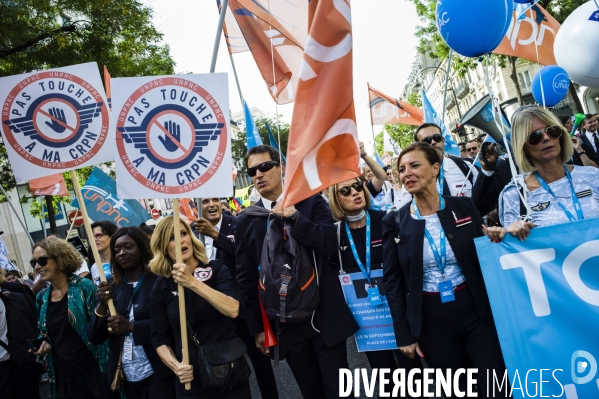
x=361, y=250
x=555, y=192
x=75, y=365
x=433, y=279
x=129, y=332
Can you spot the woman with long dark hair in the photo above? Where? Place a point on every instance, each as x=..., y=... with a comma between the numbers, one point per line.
x=129, y=331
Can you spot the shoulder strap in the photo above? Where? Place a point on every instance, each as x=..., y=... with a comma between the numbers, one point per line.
x=3, y=344
x=397, y=217
x=339, y=246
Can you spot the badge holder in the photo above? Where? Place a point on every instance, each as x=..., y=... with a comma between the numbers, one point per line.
x=374, y=296
x=446, y=292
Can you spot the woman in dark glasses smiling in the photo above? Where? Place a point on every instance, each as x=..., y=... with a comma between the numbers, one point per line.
x=75, y=365
x=360, y=255
x=555, y=192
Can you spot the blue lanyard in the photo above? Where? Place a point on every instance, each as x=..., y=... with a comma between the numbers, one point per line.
x=365, y=270
x=135, y=291
x=575, y=200
x=441, y=180
x=439, y=257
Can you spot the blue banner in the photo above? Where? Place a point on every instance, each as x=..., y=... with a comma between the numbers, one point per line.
x=273, y=142
x=99, y=194
x=376, y=325
x=253, y=138
x=430, y=116
x=544, y=294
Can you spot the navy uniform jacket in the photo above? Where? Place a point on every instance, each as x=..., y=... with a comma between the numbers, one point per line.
x=142, y=331
x=315, y=229
x=403, y=270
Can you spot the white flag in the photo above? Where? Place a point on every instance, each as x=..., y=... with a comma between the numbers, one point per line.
x=5, y=263
x=389, y=145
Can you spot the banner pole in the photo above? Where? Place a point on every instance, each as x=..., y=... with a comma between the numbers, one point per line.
x=219, y=29
x=180, y=290
x=43, y=216
x=236, y=78
x=90, y=236
x=445, y=90
x=17, y=215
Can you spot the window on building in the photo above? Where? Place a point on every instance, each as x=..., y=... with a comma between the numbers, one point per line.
x=524, y=80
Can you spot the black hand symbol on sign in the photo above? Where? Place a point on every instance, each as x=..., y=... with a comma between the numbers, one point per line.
x=175, y=131
x=58, y=114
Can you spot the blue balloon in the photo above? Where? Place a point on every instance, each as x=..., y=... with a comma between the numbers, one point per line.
x=473, y=27
x=523, y=1
x=554, y=82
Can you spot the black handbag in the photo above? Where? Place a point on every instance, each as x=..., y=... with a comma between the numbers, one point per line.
x=222, y=364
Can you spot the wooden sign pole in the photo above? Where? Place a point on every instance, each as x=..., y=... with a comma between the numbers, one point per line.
x=90, y=235
x=180, y=291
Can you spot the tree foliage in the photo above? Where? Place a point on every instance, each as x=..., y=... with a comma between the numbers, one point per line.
x=239, y=146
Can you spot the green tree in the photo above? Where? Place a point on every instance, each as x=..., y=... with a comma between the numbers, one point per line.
x=239, y=146
x=41, y=34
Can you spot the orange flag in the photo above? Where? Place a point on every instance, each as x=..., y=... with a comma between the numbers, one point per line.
x=278, y=58
x=49, y=185
x=387, y=110
x=188, y=210
x=107, y=84
x=323, y=146
x=538, y=26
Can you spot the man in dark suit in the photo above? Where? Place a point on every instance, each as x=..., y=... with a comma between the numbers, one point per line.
x=219, y=230
x=315, y=349
x=590, y=138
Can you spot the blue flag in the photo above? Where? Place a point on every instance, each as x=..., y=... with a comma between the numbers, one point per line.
x=544, y=295
x=378, y=159
x=430, y=116
x=253, y=138
x=101, y=202
x=273, y=142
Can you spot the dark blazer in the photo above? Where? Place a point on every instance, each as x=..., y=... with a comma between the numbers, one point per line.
x=588, y=148
x=402, y=264
x=315, y=229
x=13, y=286
x=141, y=334
x=225, y=245
x=487, y=189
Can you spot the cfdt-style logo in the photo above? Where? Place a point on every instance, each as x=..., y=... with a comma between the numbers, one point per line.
x=171, y=135
x=55, y=120
x=583, y=367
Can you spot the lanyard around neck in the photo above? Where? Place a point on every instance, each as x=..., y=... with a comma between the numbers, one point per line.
x=575, y=200
x=365, y=270
x=441, y=179
x=440, y=257
x=135, y=291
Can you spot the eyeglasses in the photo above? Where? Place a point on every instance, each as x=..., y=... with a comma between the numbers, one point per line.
x=263, y=167
x=42, y=261
x=99, y=235
x=471, y=149
x=536, y=136
x=346, y=191
x=437, y=137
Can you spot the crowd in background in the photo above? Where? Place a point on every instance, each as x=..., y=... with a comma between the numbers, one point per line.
x=418, y=217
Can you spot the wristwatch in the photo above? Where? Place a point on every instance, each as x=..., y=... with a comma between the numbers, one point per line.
x=294, y=217
x=581, y=153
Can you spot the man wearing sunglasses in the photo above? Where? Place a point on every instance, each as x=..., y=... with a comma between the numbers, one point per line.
x=472, y=148
x=452, y=178
x=315, y=349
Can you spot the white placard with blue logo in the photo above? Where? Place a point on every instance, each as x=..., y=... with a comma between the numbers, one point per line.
x=544, y=294
x=376, y=325
x=172, y=135
x=55, y=121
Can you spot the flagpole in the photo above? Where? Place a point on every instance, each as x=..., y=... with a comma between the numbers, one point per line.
x=43, y=216
x=446, y=81
x=236, y=78
x=219, y=29
x=17, y=215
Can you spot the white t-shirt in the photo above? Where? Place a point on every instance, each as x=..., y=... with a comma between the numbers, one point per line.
x=96, y=275
x=83, y=268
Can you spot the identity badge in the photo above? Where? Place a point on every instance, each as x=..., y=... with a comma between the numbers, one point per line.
x=446, y=291
x=374, y=296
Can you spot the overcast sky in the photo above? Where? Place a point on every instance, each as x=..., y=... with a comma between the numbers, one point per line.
x=384, y=49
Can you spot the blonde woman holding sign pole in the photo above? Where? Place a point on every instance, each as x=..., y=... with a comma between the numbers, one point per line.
x=211, y=305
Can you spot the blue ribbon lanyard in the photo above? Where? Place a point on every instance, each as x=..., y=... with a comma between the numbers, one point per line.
x=441, y=180
x=575, y=200
x=365, y=270
x=441, y=258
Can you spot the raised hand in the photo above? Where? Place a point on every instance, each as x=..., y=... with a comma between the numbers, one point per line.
x=58, y=114
x=175, y=131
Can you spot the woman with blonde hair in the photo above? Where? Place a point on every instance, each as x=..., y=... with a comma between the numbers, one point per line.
x=555, y=192
x=76, y=367
x=210, y=305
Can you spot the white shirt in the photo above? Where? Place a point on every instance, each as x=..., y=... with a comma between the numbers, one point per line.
x=591, y=137
x=83, y=268
x=209, y=242
x=96, y=275
x=455, y=179
x=268, y=203
x=4, y=355
x=400, y=197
